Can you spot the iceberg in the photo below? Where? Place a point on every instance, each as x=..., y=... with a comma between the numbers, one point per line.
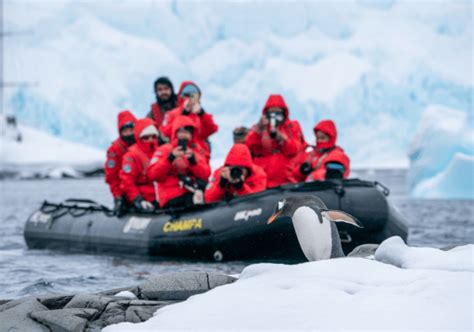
x=442, y=155
x=28, y=152
x=372, y=66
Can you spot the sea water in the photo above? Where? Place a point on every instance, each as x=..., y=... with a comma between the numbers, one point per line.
x=435, y=223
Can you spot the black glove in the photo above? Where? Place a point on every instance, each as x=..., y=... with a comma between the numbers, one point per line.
x=223, y=182
x=171, y=157
x=238, y=185
x=119, y=206
x=305, y=168
x=192, y=159
x=142, y=205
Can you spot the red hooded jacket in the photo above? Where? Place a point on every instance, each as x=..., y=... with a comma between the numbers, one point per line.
x=239, y=155
x=115, y=153
x=167, y=174
x=275, y=157
x=204, y=122
x=135, y=165
x=323, y=153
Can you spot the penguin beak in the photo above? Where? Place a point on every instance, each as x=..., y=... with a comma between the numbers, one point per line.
x=273, y=217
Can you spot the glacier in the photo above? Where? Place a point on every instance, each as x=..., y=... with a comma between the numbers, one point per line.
x=372, y=66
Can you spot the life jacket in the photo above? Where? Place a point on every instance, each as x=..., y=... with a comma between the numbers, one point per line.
x=276, y=159
x=115, y=153
x=256, y=180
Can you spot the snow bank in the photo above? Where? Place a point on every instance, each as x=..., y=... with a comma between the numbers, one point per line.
x=442, y=155
x=429, y=293
x=41, y=154
x=371, y=66
x=394, y=251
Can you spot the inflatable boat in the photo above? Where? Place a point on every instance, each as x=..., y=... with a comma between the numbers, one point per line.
x=230, y=230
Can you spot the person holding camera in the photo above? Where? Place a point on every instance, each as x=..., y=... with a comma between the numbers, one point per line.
x=275, y=141
x=326, y=160
x=181, y=167
x=189, y=104
x=239, y=176
x=113, y=164
x=135, y=184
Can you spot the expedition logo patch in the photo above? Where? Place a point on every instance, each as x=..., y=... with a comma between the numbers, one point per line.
x=182, y=225
x=247, y=214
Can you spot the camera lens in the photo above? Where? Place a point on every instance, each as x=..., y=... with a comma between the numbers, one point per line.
x=236, y=173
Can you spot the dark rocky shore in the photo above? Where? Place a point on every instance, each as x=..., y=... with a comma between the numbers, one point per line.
x=92, y=312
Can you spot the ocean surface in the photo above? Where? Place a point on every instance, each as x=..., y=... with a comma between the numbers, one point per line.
x=436, y=223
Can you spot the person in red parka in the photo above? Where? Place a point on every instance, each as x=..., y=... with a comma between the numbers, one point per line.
x=136, y=185
x=166, y=100
x=239, y=176
x=326, y=160
x=189, y=104
x=113, y=163
x=180, y=167
x=275, y=141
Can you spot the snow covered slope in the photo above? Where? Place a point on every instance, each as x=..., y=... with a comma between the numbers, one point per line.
x=442, y=155
x=42, y=154
x=402, y=289
x=372, y=66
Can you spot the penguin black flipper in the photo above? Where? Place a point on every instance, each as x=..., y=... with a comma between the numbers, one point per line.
x=340, y=216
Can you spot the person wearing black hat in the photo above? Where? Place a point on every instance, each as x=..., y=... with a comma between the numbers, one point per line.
x=166, y=100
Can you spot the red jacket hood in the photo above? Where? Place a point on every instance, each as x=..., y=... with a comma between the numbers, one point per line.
x=276, y=101
x=180, y=122
x=139, y=126
x=329, y=128
x=124, y=117
x=182, y=86
x=239, y=155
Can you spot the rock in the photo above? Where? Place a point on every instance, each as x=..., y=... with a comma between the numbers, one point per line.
x=53, y=302
x=13, y=303
x=97, y=302
x=15, y=317
x=111, y=292
x=180, y=286
x=216, y=280
x=364, y=250
x=2, y=302
x=138, y=314
x=64, y=320
x=149, y=303
x=114, y=313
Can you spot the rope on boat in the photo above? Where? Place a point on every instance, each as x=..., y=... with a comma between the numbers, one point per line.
x=75, y=207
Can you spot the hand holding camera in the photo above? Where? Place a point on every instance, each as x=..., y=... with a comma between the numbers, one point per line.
x=178, y=152
x=262, y=124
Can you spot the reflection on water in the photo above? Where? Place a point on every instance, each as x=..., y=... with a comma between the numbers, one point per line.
x=23, y=272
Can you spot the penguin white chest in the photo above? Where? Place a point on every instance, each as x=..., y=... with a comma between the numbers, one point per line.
x=314, y=237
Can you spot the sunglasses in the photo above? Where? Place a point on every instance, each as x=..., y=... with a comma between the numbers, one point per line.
x=149, y=137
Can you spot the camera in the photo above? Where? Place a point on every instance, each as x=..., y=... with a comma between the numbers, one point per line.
x=236, y=173
x=183, y=143
x=275, y=120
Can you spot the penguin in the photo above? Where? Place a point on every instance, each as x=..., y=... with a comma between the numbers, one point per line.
x=314, y=225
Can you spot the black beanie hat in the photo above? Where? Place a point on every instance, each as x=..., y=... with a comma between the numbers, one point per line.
x=164, y=81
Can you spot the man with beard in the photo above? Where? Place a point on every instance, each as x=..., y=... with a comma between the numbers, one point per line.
x=115, y=153
x=166, y=100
